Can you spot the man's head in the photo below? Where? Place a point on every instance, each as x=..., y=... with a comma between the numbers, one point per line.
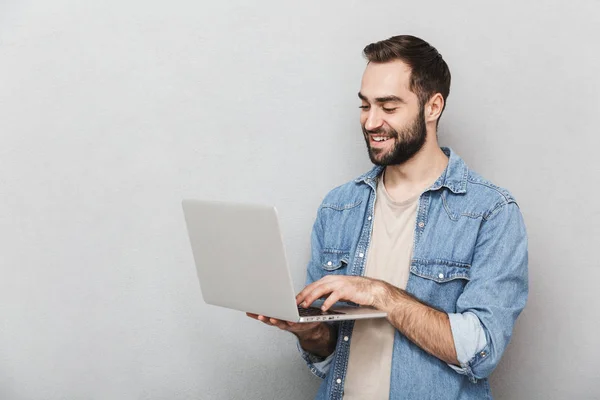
x=403, y=94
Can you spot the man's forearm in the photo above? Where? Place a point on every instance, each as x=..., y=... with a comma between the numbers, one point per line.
x=423, y=325
x=319, y=341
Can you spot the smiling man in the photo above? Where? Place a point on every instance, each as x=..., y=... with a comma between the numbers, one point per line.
x=422, y=237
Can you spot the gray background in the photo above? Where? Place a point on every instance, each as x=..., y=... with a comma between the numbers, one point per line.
x=112, y=111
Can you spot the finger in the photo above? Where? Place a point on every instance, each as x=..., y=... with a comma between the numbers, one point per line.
x=318, y=292
x=309, y=288
x=313, y=287
x=278, y=323
x=309, y=297
x=302, y=295
x=290, y=324
x=331, y=300
x=253, y=316
x=264, y=319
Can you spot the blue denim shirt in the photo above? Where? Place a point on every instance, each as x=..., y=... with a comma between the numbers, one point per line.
x=469, y=256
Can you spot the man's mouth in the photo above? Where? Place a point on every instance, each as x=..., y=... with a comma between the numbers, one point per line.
x=380, y=138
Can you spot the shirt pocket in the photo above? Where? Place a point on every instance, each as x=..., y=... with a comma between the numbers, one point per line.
x=335, y=261
x=439, y=283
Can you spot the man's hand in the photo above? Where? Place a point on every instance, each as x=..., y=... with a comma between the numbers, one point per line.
x=294, y=327
x=357, y=289
x=315, y=337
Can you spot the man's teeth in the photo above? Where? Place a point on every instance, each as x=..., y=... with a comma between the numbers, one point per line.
x=380, y=139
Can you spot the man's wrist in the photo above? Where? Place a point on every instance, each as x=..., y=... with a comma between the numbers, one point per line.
x=387, y=297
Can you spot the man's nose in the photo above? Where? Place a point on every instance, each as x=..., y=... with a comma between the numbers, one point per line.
x=374, y=121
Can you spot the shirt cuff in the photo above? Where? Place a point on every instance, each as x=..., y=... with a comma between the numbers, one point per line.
x=319, y=366
x=469, y=336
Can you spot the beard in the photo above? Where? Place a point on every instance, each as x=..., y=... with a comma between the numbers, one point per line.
x=408, y=142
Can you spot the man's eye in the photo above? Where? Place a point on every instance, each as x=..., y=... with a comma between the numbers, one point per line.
x=364, y=107
x=389, y=110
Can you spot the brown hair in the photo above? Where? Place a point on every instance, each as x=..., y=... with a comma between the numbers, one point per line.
x=429, y=72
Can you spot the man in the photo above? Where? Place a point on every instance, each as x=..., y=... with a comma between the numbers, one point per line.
x=421, y=237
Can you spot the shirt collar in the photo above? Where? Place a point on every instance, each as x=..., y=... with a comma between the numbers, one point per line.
x=454, y=176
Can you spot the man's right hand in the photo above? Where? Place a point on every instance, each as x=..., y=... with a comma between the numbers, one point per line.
x=315, y=337
x=299, y=329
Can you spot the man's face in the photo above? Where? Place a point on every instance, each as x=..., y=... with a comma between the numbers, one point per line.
x=392, y=120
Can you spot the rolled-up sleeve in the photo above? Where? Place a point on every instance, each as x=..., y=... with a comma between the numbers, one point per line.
x=495, y=294
x=468, y=334
x=319, y=366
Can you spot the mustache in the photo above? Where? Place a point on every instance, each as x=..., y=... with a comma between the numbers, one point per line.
x=389, y=132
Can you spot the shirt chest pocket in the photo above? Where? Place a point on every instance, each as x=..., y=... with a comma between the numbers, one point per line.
x=439, y=283
x=335, y=261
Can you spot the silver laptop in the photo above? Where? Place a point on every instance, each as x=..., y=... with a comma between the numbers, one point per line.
x=241, y=263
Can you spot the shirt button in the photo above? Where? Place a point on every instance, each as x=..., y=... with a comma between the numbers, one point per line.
x=441, y=276
x=483, y=354
x=421, y=224
x=339, y=380
x=329, y=263
x=369, y=217
x=361, y=255
x=346, y=338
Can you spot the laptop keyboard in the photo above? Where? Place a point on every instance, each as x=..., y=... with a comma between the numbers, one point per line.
x=313, y=312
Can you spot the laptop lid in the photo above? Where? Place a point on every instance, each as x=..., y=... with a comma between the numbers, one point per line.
x=240, y=257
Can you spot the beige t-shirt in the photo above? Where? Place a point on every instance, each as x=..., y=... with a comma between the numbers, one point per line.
x=388, y=259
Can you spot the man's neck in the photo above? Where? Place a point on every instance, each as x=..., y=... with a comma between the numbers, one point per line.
x=412, y=178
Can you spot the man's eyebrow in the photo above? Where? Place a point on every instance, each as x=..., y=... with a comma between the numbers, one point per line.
x=389, y=99
x=385, y=99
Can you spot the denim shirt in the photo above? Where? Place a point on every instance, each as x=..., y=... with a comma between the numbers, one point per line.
x=469, y=256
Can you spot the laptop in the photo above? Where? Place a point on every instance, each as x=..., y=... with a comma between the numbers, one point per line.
x=241, y=264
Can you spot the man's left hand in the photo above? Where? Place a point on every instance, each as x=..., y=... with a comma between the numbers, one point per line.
x=357, y=289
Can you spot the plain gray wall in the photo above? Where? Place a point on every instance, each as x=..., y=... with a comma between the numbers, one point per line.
x=112, y=111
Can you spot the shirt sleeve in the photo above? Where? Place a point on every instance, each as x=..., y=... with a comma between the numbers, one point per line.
x=469, y=337
x=496, y=292
x=319, y=366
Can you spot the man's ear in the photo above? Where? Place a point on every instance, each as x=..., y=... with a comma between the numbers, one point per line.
x=434, y=108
